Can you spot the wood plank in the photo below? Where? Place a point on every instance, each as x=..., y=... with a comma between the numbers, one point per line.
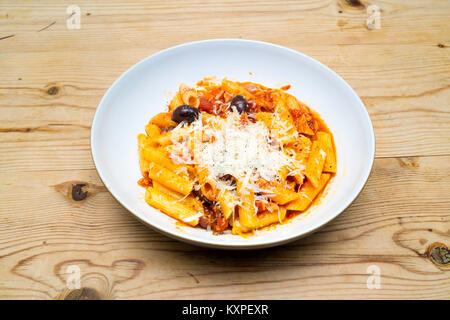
x=121, y=258
x=307, y=22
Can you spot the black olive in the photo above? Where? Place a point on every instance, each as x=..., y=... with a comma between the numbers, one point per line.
x=240, y=103
x=185, y=113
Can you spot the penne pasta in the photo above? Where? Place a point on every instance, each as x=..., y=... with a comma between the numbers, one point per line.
x=158, y=156
x=152, y=130
x=170, y=137
x=161, y=188
x=169, y=179
x=176, y=101
x=235, y=89
x=279, y=194
x=143, y=162
x=207, y=187
x=283, y=130
x=330, y=160
x=189, y=200
x=163, y=139
x=308, y=193
x=163, y=120
x=267, y=218
x=172, y=207
x=189, y=96
x=302, y=148
x=316, y=160
x=247, y=212
x=303, y=117
x=227, y=203
x=238, y=156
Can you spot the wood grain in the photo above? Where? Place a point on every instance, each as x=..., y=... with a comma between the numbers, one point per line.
x=53, y=78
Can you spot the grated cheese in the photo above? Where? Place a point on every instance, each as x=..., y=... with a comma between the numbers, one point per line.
x=243, y=151
x=227, y=147
x=323, y=154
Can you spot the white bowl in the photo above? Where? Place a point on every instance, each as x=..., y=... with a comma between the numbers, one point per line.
x=143, y=91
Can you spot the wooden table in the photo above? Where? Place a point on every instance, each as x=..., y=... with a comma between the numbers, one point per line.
x=52, y=79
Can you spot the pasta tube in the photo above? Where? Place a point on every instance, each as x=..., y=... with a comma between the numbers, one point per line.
x=189, y=96
x=267, y=218
x=175, y=102
x=163, y=120
x=330, y=160
x=159, y=157
x=172, y=207
x=247, y=210
x=226, y=201
x=307, y=194
x=235, y=89
x=152, y=130
x=143, y=162
x=280, y=195
x=189, y=200
x=316, y=160
x=169, y=179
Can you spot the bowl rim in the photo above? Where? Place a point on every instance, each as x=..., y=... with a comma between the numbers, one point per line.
x=231, y=246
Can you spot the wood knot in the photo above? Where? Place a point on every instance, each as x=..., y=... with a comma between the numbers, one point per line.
x=77, y=192
x=355, y=4
x=440, y=45
x=102, y=275
x=83, y=294
x=341, y=23
x=409, y=162
x=53, y=90
x=439, y=254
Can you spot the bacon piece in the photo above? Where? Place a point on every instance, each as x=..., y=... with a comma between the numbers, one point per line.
x=145, y=182
x=304, y=120
x=221, y=224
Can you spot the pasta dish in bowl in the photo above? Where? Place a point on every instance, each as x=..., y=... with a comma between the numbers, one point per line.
x=235, y=155
x=270, y=150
